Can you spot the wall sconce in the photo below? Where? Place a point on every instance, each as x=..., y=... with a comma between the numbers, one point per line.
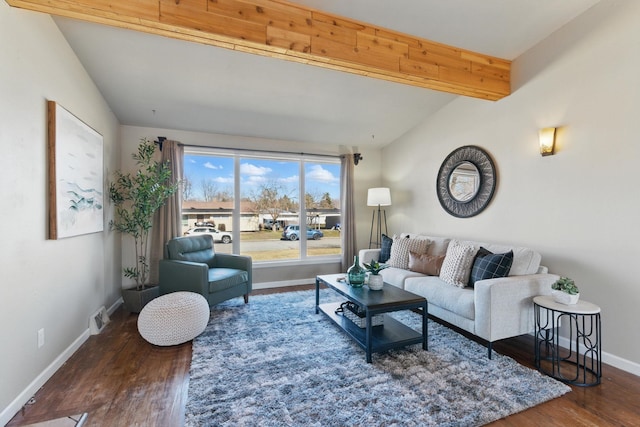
x=547, y=141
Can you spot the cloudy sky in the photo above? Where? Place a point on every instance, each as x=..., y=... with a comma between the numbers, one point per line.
x=320, y=177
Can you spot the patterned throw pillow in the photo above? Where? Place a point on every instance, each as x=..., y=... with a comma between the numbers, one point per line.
x=385, y=249
x=400, y=250
x=456, y=267
x=425, y=263
x=488, y=265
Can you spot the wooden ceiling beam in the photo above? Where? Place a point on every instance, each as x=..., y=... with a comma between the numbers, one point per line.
x=278, y=29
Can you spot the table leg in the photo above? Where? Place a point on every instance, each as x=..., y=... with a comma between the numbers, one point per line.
x=317, y=295
x=369, y=342
x=536, y=333
x=425, y=326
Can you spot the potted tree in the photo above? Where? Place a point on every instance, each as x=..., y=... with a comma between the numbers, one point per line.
x=376, y=282
x=137, y=196
x=565, y=291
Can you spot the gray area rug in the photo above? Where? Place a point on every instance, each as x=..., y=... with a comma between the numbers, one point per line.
x=274, y=362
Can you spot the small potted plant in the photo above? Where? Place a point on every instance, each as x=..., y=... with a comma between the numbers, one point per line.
x=376, y=282
x=565, y=291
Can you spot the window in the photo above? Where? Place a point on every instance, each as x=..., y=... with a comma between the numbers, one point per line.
x=275, y=207
x=322, y=207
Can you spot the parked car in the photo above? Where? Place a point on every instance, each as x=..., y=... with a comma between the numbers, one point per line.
x=269, y=225
x=205, y=224
x=218, y=236
x=292, y=232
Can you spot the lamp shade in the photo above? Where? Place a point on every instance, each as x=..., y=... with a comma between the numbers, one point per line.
x=547, y=141
x=380, y=196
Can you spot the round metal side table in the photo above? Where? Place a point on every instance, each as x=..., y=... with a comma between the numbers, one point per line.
x=580, y=364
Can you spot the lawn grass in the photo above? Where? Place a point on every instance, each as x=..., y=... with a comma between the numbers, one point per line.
x=284, y=254
x=277, y=235
x=289, y=254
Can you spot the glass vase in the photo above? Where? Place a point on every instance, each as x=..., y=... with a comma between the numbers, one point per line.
x=356, y=274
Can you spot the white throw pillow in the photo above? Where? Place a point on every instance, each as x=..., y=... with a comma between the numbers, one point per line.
x=400, y=250
x=457, y=264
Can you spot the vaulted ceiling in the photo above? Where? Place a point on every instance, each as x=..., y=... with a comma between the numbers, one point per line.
x=158, y=81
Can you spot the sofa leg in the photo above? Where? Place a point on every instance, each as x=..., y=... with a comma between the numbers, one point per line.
x=489, y=347
x=246, y=298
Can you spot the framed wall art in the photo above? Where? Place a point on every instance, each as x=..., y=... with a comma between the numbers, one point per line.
x=75, y=162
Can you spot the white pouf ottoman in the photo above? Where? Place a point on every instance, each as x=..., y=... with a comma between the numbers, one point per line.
x=174, y=318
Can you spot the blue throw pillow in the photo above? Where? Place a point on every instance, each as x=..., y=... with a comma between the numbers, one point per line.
x=488, y=265
x=385, y=248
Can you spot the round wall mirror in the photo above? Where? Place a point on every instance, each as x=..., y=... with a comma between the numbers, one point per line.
x=466, y=181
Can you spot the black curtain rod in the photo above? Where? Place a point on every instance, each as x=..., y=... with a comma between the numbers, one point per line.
x=357, y=156
x=263, y=151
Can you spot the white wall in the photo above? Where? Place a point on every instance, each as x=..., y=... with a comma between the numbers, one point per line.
x=580, y=207
x=50, y=284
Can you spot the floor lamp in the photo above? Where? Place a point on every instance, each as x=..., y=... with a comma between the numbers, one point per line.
x=378, y=197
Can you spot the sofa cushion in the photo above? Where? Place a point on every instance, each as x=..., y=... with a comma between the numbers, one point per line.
x=437, y=245
x=397, y=276
x=385, y=248
x=460, y=301
x=525, y=260
x=488, y=265
x=400, y=250
x=425, y=263
x=225, y=278
x=456, y=267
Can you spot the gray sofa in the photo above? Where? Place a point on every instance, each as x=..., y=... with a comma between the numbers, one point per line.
x=493, y=309
x=191, y=264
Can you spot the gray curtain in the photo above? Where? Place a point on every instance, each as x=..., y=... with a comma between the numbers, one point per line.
x=167, y=223
x=348, y=218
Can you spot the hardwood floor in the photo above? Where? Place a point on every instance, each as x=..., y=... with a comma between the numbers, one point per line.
x=121, y=380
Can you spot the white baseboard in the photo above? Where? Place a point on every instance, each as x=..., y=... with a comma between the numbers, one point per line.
x=13, y=408
x=10, y=411
x=620, y=363
x=609, y=359
x=115, y=306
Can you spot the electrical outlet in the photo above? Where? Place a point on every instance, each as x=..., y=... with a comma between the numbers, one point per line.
x=40, y=337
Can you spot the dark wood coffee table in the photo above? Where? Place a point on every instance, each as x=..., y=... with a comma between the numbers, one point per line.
x=374, y=339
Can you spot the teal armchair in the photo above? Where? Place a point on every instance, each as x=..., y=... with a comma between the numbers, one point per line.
x=192, y=265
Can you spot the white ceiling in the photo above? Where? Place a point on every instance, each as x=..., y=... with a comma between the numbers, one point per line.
x=152, y=81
